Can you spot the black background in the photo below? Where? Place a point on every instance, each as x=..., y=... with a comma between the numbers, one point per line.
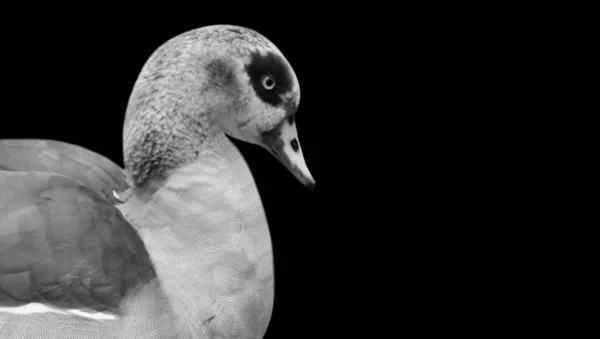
x=69, y=78
x=386, y=103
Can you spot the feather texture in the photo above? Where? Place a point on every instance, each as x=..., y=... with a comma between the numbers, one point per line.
x=63, y=245
x=89, y=168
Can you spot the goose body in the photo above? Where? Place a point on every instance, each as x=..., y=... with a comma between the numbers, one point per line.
x=177, y=244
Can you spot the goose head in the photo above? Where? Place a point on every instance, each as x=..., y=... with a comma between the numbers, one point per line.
x=219, y=79
x=270, y=95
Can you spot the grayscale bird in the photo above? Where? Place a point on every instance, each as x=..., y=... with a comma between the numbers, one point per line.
x=176, y=245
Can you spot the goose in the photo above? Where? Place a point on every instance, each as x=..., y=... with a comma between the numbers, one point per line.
x=176, y=244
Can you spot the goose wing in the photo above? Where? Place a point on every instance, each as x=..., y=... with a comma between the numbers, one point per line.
x=89, y=168
x=63, y=245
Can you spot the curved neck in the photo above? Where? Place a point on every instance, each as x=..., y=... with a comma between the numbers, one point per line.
x=168, y=126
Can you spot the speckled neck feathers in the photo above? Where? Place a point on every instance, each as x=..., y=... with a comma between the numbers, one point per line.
x=171, y=110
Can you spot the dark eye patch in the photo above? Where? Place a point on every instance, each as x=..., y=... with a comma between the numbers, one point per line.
x=274, y=66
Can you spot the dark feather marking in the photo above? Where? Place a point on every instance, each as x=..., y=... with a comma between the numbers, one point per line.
x=234, y=30
x=159, y=152
x=157, y=77
x=290, y=119
x=273, y=65
x=220, y=72
x=207, y=321
x=244, y=123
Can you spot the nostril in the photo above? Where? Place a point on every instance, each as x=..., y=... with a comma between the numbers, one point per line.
x=295, y=145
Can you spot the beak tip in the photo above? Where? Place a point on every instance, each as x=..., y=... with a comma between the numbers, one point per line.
x=311, y=186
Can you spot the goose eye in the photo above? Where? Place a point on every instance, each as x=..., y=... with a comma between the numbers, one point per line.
x=268, y=82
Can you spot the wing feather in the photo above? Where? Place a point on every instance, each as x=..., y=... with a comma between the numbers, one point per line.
x=91, y=169
x=66, y=244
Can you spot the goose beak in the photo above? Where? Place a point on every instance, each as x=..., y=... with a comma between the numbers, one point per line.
x=283, y=143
